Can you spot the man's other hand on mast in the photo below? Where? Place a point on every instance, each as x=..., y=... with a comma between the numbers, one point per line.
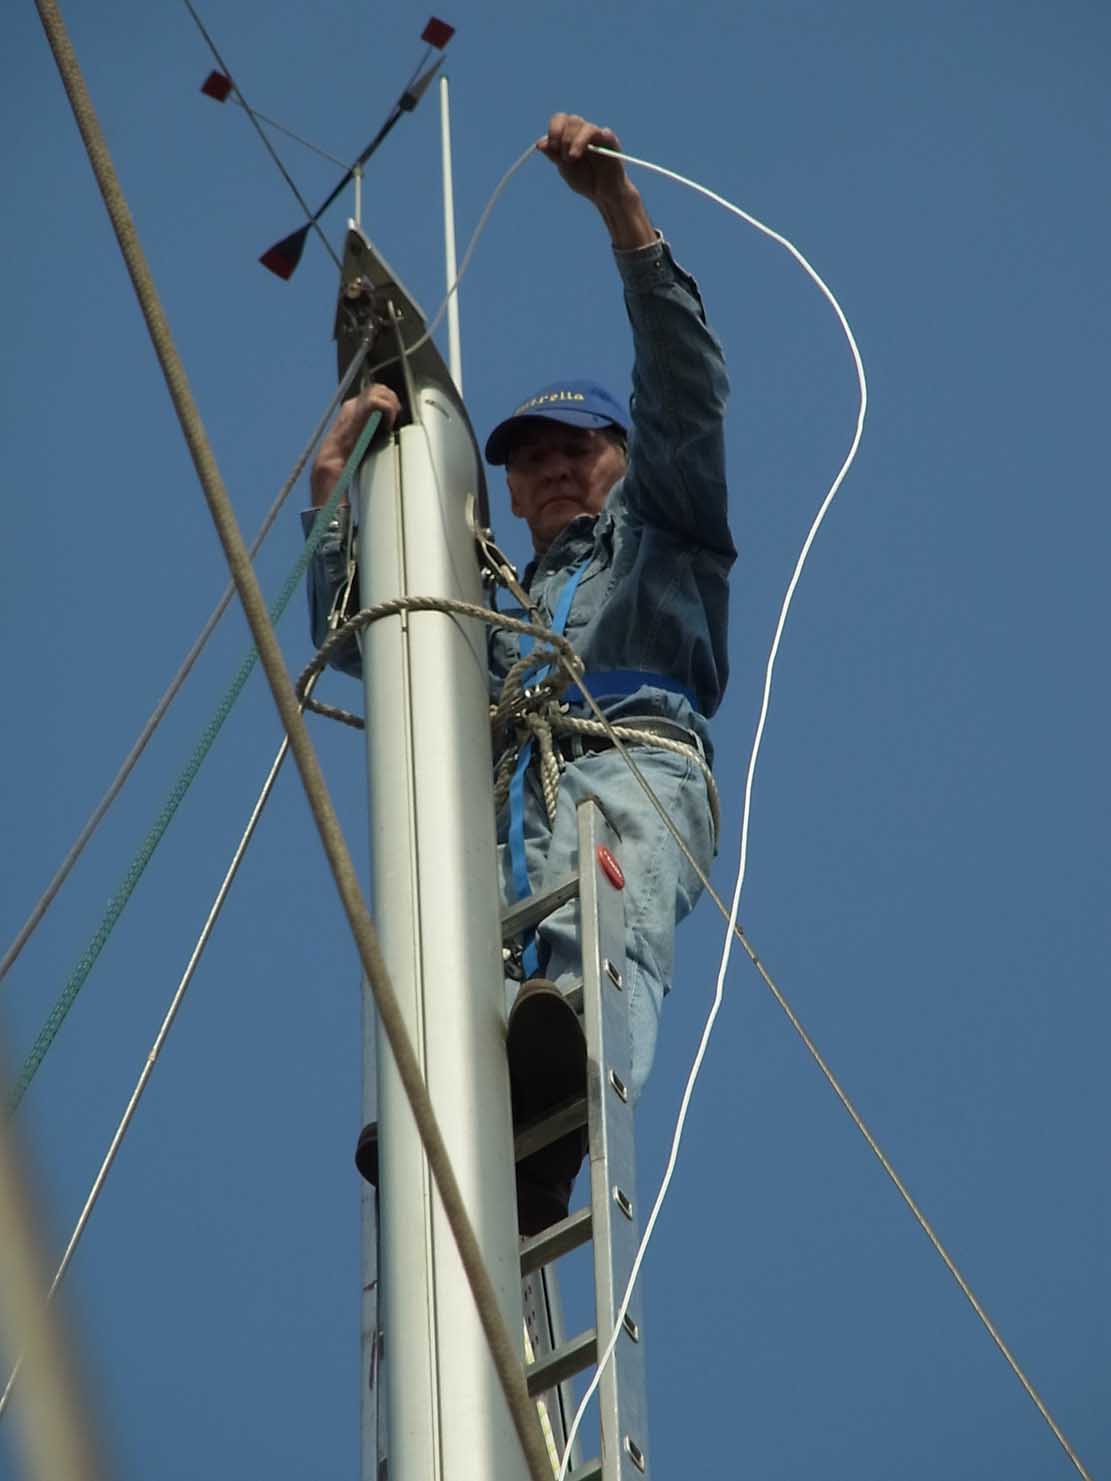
x=343, y=434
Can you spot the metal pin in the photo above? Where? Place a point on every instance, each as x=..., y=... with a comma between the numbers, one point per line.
x=613, y=973
x=619, y=1085
x=624, y=1202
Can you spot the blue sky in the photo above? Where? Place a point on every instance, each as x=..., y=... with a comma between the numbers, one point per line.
x=928, y=864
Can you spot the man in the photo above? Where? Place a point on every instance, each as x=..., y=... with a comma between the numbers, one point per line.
x=635, y=533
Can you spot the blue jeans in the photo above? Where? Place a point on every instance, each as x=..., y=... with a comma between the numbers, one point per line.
x=660, y=885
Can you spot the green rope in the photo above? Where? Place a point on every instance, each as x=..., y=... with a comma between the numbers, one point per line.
x=119, y=900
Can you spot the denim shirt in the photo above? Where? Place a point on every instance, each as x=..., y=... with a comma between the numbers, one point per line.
x=654, y=593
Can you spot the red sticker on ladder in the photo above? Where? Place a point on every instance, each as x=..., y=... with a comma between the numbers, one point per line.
x=610, y=867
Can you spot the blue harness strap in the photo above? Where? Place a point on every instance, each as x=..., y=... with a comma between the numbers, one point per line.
x=521, y=884
x=559, y=616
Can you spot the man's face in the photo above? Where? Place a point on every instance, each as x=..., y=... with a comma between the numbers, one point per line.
x=556, y=472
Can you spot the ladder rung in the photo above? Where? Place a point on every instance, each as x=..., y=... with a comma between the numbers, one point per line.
x=533, y=909
x=592, y=1471
x=557, y=1123
x=562, y=1364
x=560, y=1238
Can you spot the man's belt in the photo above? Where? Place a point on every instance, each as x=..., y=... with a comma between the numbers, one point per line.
x=572, y=746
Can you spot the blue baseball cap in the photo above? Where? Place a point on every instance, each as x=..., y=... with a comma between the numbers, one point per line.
x=577, y=403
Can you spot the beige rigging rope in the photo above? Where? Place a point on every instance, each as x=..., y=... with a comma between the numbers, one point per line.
x=59, y=1441
x=503, y=1350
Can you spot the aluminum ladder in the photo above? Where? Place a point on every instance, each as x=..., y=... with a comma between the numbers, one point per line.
x=610, y=1219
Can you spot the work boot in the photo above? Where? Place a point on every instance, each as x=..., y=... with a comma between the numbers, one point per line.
x=547, y=1066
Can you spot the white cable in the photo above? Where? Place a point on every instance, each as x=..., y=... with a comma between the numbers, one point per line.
x=743, y=861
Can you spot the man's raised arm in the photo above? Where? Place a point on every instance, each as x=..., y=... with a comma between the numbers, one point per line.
x=676, y=477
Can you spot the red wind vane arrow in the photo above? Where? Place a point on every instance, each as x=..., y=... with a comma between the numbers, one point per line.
x=282, y=258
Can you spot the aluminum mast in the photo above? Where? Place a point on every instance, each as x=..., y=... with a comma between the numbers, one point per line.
x=436, y=903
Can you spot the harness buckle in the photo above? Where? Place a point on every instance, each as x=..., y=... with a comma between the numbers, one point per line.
x=513, y=961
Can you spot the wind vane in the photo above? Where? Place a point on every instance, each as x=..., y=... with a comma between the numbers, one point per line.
x=282, y=258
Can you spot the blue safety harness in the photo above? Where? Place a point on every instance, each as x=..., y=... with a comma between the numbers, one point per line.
x=607, y=684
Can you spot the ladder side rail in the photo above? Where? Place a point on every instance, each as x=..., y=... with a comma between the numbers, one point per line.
x=621, y=1392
